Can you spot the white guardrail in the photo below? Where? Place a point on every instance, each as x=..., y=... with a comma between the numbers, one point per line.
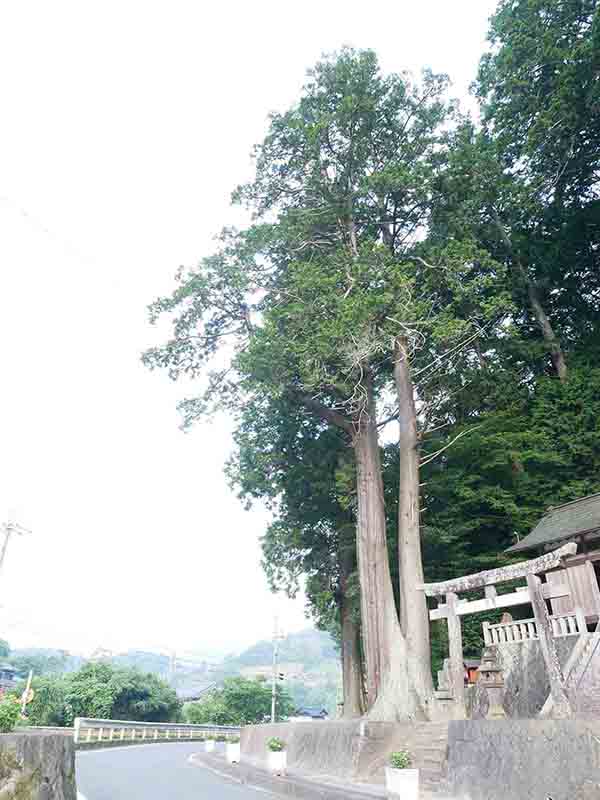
x=86, y=731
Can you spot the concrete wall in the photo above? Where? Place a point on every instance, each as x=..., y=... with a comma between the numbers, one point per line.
x=524, y=760
x=343, y=750
x=485, y=759
x=317, y=748
x=37, y=766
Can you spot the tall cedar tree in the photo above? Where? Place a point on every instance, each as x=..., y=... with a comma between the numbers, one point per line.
x=330, y=306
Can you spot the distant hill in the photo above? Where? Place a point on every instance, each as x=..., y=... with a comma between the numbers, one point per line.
x=309, y=660
x=44, y=660
x=145, y=661
x=308, y=647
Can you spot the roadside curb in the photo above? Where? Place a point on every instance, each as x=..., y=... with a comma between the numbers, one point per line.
x=289, y=786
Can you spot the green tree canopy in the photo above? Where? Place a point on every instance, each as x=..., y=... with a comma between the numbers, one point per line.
x=240, y=701
x=103, y=691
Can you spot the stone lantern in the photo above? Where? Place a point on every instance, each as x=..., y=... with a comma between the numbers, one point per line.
x=492, y=679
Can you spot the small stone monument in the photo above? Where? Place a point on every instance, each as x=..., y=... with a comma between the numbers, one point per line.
x=492, y=679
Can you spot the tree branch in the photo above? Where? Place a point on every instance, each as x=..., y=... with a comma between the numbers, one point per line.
x=324, y=412
x=437, y=453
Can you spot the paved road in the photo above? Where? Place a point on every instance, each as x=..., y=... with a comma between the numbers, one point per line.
x=153, y=772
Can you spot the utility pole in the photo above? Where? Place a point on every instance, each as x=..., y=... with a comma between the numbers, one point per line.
x=25, y=696
x=9, y=528
x=277, y=636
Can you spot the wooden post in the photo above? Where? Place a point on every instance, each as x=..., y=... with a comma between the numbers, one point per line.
x=457, y=664
x=561, y=705
x=593, y=581
x=487, y=639
x=580, y=617
x=490, y=592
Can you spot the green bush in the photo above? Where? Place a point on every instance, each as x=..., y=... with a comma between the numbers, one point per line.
x=234, y=739
x=221, y=738
x=400, y=760
x=10, y=711
x=275, y=745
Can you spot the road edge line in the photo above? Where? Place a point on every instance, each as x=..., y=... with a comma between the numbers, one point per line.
x=231, y=778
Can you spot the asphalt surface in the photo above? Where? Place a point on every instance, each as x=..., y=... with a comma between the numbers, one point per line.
x=153, y=772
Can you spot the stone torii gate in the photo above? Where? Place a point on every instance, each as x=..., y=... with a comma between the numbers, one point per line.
x=535, y=592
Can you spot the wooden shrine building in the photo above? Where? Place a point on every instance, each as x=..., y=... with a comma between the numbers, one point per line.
x=578, y=521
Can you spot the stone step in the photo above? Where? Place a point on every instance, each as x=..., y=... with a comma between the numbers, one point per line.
x=432, y=778
x=431, y=761
x=441, y=741
x=425, y=746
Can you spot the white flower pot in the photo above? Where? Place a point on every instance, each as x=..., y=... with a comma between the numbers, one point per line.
x=402, y=784
x=209, y=745
x=277, y=762
x=232, y=752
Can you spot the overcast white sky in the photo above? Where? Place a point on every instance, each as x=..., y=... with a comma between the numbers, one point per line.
x=124, y=126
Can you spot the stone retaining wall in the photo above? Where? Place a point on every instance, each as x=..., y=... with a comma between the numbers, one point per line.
x=525, y=678
x=329, y=748
x=37, y=766
x=486, y=759
x=524, y=760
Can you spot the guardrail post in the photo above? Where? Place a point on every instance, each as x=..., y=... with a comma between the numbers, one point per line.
x=156, y=733
x=167, y=733
x=76, y=730
x=88, y=736
x=122, y=733
x=111, y=734
x=143, y=733
x=100, y=733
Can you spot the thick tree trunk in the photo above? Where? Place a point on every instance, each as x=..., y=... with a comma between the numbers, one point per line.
x=556, y=353
x=390, y=695
x=414, y=615
x=352, y=673
x=542, y=319
x=352, y=670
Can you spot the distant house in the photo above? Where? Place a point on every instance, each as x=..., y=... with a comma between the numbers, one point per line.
x=310, y=714
x=8, y=677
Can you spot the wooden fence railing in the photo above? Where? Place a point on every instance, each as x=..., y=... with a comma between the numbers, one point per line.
x=517, y=631
x=522, y=629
